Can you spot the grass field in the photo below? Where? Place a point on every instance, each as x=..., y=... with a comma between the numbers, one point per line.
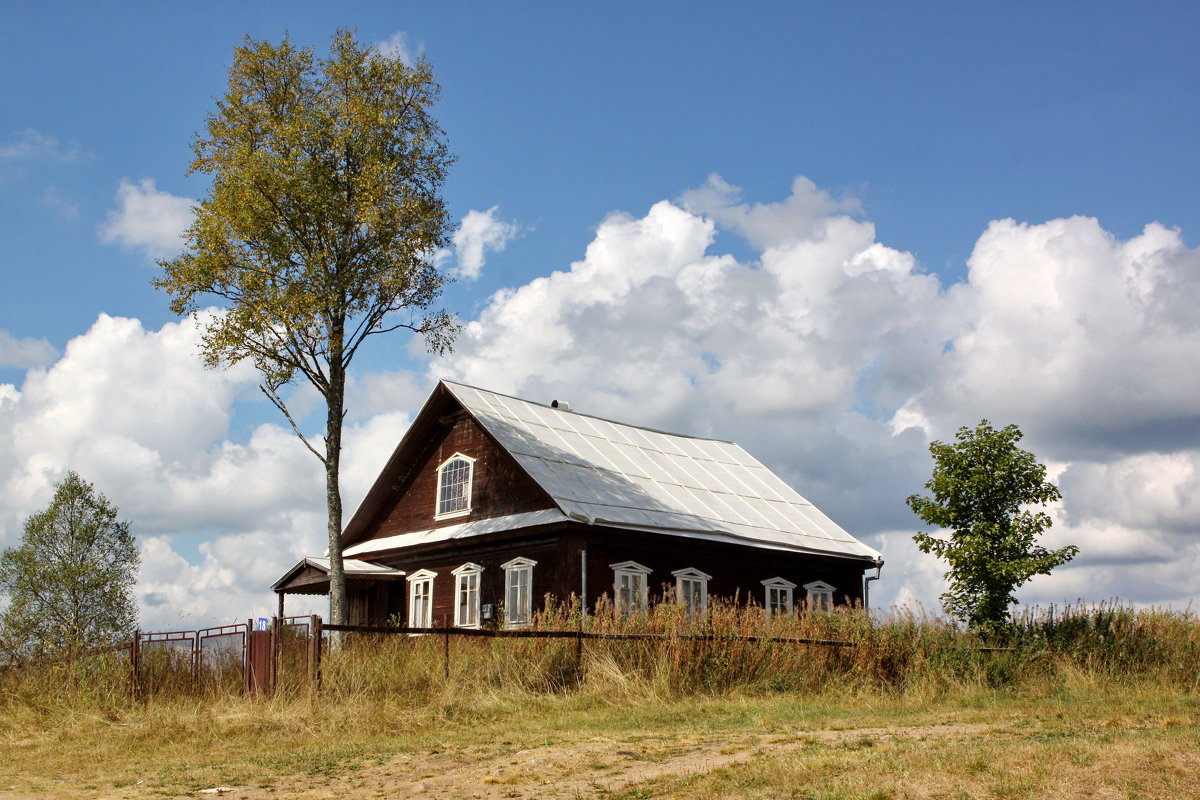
x=1103, y=703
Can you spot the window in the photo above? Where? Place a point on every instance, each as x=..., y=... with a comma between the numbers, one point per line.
x=454, y=486
x=631, y=590
x=778, y=598
x=518, y=580
x=691, y=590
x=466, y=604
x=820, y=596
x=420, y=599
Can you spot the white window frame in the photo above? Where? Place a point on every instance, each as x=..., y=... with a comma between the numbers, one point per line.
x=691, y=575
x=518, y=610
x=638, y=576
x=781, y=586
x=420, y=578
x=467, y=580
x=441, y=473
x=820, y=596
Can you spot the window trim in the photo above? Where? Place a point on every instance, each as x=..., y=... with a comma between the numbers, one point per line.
x=819, y=594
x=441, y=474
x=421, y=576
x=692, y=574
x=779, y=583
x=511, y=569
x=462, y=575
x=631, y=568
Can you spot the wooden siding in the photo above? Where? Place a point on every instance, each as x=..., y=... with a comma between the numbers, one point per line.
x=549, y=551
x=737, y=571
x=499, y=486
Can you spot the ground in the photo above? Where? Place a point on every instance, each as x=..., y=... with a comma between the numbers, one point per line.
x=1049, y=748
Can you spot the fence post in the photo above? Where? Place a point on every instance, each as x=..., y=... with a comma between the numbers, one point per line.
x=446, y=651
x=314, y=651
x=135, y=651
x=276, y=649
x=246, y=656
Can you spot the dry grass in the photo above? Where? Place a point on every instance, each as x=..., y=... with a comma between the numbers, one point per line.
x=1102, y=701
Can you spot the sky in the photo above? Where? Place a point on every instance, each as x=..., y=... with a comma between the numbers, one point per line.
x=830, y=232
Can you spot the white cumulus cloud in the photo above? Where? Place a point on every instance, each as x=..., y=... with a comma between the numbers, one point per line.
x=478, y=233
x=147, y=218
x=836, y=359
x=135, y=412
x=397, y=46
x=24, y=353
x=831, y=356
x=30, y=145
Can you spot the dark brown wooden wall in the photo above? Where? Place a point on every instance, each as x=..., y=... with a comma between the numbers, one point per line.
x=737, y=571
x=549, y=551
x=499, y=486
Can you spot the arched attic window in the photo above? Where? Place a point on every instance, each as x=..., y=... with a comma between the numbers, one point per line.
x=454, y=486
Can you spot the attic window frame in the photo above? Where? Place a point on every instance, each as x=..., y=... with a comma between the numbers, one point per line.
x=684, y=598
x=632, y=570
x=442, y=471
x=820, y=596
x=466, y=612
x=786, y=590
x=518, y=610
x=420, y=577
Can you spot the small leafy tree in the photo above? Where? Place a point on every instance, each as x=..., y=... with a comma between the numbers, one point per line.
x=320, y=228
x=983, y=486
x=70, y=581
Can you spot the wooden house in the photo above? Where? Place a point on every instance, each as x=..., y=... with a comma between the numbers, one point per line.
x=491, y=503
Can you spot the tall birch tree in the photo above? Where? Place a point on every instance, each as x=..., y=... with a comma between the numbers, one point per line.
x=319, y=229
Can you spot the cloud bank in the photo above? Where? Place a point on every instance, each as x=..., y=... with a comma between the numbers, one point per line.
x=136, y=413
x=836, y=359
x=832, y=357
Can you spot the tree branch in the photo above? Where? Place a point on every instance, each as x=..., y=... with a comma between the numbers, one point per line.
x=278, y=403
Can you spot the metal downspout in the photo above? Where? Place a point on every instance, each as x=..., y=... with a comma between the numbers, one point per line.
x=867, y=584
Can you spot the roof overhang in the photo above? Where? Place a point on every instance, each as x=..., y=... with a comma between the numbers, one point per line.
x=463, y=530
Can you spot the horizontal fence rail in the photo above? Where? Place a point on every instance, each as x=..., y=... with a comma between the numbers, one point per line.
x=518, y=633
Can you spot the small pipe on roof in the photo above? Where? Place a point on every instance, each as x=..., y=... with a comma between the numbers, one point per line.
x=561, y=405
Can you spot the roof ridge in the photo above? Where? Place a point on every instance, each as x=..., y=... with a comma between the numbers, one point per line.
x=549, y=407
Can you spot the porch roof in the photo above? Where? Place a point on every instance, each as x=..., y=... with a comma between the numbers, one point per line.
x=311, y=575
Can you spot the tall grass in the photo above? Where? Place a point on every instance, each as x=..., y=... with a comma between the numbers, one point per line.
x=736, y=648
x=733, y=648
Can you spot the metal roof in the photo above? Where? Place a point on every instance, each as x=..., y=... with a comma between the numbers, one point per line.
x=609, y=473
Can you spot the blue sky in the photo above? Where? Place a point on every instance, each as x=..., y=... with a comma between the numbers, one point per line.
x=900, y=135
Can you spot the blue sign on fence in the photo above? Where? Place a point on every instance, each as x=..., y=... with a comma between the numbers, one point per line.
x=261, y=624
